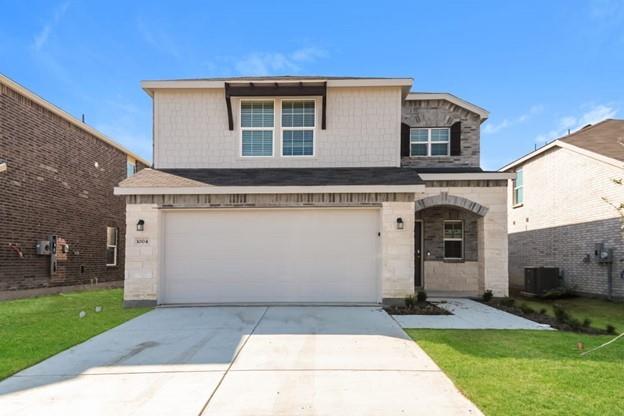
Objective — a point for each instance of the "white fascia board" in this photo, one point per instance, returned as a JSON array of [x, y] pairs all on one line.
[[203, 190], [68, 117], [529, 156], [423, 96], [3, 166], [466, 176], [150, 86], [563, 145]]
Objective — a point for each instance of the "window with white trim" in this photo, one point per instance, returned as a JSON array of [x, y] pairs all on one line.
[[518, 188], [298, 122], [111, 246], [430, 141], [130, 168], [257, 120], [454, 239]]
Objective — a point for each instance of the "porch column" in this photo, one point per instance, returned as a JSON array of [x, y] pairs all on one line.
[[493, 250], [397, 251]]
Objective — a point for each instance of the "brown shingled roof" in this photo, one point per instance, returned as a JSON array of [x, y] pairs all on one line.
[[605, 138]]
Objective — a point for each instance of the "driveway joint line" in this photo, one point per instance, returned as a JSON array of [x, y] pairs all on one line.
[[227, 370]]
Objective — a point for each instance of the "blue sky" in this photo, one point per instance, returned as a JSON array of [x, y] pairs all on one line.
[[539, 67]]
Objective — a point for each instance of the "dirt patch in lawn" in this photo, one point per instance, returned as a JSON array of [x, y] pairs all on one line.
[[420, 308]]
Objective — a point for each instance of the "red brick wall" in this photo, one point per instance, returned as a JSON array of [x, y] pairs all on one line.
[[52, 186]]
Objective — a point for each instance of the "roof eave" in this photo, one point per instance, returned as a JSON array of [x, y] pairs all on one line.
[[481, 112], [203, 190]]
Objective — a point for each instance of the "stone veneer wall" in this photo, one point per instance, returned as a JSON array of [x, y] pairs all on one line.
[[143, 248], [491, 269], [441, 113]]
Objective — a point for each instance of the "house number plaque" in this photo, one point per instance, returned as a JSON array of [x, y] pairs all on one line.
[[142, 241]]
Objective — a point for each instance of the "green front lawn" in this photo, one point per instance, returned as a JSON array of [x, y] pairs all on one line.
[[32, 330], [510, 372], [601, 312]]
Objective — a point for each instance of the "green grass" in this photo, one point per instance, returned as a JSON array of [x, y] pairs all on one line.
[[601, 312], [32, 330], [510, 372]]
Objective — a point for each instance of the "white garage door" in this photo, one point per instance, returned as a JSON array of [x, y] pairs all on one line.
[[271, 255]]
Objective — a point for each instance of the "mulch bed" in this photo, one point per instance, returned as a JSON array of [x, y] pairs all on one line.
[[544, 319], [420, 308]]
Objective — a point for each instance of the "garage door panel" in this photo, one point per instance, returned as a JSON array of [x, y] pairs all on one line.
[[298, 255]]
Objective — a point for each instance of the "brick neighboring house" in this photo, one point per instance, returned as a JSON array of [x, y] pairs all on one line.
[[312, 190], [558, 212], [56, 178]]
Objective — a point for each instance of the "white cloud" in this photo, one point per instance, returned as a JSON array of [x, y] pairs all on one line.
[[570, 123], [41, 38], [492, 128], [265, 63]]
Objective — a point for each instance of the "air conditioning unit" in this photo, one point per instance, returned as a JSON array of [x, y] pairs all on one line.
[[538, 280]]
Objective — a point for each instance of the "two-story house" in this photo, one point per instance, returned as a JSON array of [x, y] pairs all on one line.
[[60, 224], [312, 190], [565, 210]]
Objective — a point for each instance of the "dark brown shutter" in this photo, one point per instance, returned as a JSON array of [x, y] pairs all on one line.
[[456, 139], [405, 140]]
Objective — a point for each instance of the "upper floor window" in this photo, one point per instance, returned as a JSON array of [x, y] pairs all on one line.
[[298, 122], [257, 124], [130, 167], [518, 188], [429, 141]]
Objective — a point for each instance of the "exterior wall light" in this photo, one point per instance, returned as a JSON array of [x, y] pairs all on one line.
[[140, 225], [400, 223]]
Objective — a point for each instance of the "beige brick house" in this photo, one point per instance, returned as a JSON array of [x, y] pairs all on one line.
[[312, 190], [561, 208]]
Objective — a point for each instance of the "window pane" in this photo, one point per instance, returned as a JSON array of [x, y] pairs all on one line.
[[298, 143], [257, 114], [111, 236], [518, 195], [453, 249], [419, 150], [439, 149], [453, 229], [131, 169], [110, 255], [439, 135], [298, 114], [257, 143], [419, 135], [519, 178]]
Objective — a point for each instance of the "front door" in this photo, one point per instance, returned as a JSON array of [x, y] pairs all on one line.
[[418, 254]]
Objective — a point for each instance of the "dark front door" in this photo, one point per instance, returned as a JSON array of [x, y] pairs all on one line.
[[418, 254]]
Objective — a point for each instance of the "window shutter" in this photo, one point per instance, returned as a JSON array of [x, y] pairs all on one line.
[[405, 140], [456, 139]]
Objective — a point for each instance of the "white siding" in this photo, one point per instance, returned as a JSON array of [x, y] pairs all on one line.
[[363, 129]]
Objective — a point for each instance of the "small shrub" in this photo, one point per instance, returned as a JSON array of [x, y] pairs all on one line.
[[587, 322], [421, 296], [509, 302], [487, 295], [561, 315], [610, 329], [526, 309], [410, 301], [561, 292], [543, 311]]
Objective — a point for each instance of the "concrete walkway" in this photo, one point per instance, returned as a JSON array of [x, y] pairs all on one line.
[[467, 314], [240, 361]]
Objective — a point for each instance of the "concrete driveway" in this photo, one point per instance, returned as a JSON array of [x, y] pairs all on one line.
[[240, 361]]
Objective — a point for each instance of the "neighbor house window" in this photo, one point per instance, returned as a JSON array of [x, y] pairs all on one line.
[[298, 119], [130, 167], [111, 246], [257, 124], [453, 239], [429, 141], [518, 188]]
